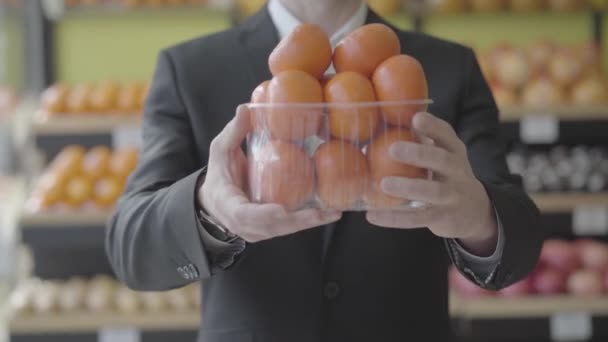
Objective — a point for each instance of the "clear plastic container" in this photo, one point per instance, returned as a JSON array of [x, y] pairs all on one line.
[[330, 155]]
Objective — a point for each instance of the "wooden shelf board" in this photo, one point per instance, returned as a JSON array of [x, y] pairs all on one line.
[[566, 202], [83, 124], [565, 113], [62, 220], [533, 306], [87, 322]]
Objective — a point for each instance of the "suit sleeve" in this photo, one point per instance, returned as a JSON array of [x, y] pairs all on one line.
[[479, 128], [153, 242]]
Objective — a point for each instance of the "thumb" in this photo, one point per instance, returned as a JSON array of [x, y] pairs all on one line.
[[236, 130]]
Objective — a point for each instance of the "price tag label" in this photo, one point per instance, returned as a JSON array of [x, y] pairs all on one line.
[[119, 335], [126, 136], [539, 129], [590, 220], [571, 326]]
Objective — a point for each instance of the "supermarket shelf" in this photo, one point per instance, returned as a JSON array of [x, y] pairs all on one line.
[[63, 220], [83, 124], [100, 11], [87, 322], [533, 306], [566, 113], [567, 202]]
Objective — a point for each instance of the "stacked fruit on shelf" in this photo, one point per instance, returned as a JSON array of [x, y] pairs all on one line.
[[78, 179], [578, 268], [135, 3], [98, 295], [108, 97], [519, 6], [576, 169], [545, 74]]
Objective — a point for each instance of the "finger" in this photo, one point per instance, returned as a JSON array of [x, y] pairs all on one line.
[[402, 220], [439, 130], [255, 214], [235, 131], [427, 191], [305, 219], [425, 156]]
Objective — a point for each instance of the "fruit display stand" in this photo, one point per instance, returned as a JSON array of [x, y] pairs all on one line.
[[99, 310], [540, 319]]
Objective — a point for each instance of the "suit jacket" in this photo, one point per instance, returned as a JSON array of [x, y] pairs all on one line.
[[374, 284]]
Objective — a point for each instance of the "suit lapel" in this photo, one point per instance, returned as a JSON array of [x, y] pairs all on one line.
[[259, 37]]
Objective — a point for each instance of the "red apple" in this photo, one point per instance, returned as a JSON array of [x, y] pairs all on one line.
[[549, 281], [585, 283], [594, 256], [561, 255]]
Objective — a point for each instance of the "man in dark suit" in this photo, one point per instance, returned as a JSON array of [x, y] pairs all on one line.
[[311, 275]]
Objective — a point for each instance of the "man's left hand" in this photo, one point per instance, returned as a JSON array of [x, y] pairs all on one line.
[[457, 205]]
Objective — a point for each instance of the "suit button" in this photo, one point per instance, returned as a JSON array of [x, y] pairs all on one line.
[[332, 290], [183, 273]]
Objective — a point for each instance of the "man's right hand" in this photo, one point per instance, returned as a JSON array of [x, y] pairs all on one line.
[[223, 197]]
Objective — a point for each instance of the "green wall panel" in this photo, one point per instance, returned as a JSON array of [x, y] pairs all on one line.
[[485, 30], [12, 50], [124, 45]]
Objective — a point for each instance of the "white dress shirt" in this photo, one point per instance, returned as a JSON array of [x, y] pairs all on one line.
[[481, 268]]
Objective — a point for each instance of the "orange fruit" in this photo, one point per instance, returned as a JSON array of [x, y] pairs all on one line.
[[351, 122], [96, 162], [342, 174], [400, 78], [77, 191], [306, 48], [282, 173], [289, 123], [259, 95], [104, 97], [78, 100], [54, 98], [383, 165], [123, 162], [50, 189], [69, 160], [128, 98], [365, 48], [107, 190]]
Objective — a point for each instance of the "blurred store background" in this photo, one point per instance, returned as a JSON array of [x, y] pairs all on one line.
[[74, 74]]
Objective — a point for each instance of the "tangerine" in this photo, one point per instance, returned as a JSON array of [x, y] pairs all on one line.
[[289, 123], [351, 123], [365, 48], [306, 48], [400, 78]]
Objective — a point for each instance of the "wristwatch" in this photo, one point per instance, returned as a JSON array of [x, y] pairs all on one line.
[[214, 228]]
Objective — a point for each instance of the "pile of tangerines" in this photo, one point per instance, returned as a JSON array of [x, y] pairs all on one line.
[[77, 178], [356, 113]]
